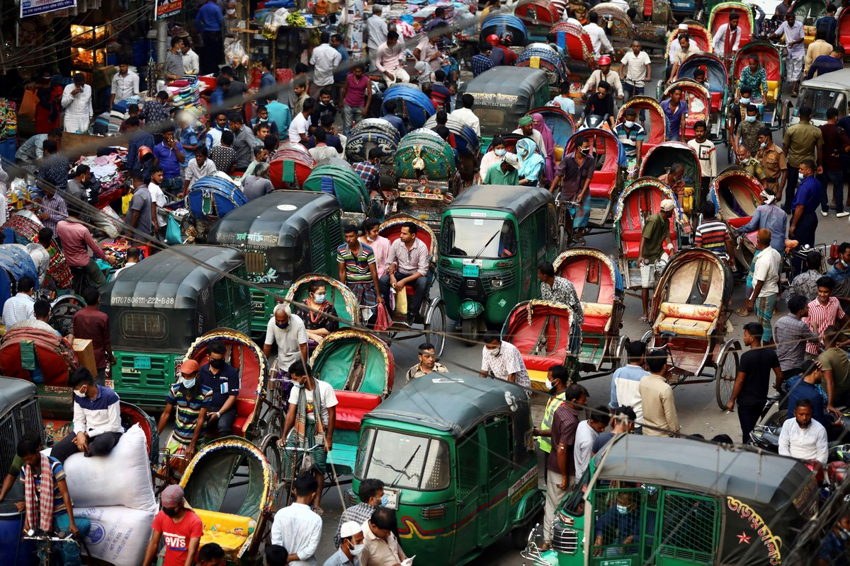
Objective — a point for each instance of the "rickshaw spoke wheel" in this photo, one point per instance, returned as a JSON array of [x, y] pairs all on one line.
[[623, 355], [270, 450], [435, 327], [469, 331], [724, 376]]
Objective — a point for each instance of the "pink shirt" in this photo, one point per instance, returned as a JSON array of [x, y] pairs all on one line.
[[355, 96], [381, 249], [821, 316], [75, 239]]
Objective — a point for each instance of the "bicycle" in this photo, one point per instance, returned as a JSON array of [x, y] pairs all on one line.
[[165, 475], [45, 543], [295, 463]]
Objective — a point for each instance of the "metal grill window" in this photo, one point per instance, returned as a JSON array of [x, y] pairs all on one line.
[[30, 417], [255, 262], [318, 242], [467, 458], [688, 530], [144, 326], [617, 534], [498, 448], [8, 441]]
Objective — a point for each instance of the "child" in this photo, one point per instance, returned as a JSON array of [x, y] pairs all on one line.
[[262, 118]]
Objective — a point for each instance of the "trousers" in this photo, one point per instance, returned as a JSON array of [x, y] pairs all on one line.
[[100, 445], [76, 123], [554, 496]]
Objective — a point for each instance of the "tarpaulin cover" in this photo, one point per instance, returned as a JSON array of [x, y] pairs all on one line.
[[412, 104], [438, 160], [348, 187], [213, 197], [15, 263], [500, 23]]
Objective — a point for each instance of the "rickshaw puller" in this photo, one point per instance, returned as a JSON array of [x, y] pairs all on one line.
[[794, 37], [654, 240]]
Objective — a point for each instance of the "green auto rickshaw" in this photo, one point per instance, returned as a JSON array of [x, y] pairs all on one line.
[[159, 307], [284, 235], [679, 502], [503, 95], [492, 239], [457, 462]]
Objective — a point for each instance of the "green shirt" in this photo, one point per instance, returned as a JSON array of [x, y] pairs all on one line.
[[800, 142], [495, 175], [657, 228], [835, 359]]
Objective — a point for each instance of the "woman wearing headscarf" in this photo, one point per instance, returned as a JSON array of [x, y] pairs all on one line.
[[532, 164], [548, 143], [495, 155]]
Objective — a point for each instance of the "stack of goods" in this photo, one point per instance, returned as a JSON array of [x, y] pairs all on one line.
[[105, 169], [117, 249], [185, 92], [26, 225]]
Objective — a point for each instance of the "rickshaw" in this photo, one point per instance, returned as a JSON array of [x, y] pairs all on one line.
[[457, 462], [576, 43], [689, 312], [342, 182], [503, 95], [719, 15], [433, 313], [538, 16], [654, 18], [620, 25], [15, 263], [699, 502], [283, 235], [822, 93], [542, 56], [492, 238], [340, 296], [210, 198], [773, 111], [159, 307], [361, 369], [22, 228], [599, 286], [698, 34], [842, 31], [541, 331], [413, 105], [697, 100], [428, 179], [808, 12], [500, 23], [466, 140], [658, 162], [608, 176], [735, 194], [654, 122], [717, 78], [637, 203], [369, 134], [236, 518], [290, 166], [560, 124]]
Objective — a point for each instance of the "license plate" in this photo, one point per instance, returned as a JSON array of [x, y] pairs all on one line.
[[393, 495], [470, 270], [141, 362]]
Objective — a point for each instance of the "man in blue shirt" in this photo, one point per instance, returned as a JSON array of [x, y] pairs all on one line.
[[619, 528], [267, 82], [398, 123], [280, 114], [342, 74], [828, 23], [169, 155], [482, 62], [808, 388], [804, 219], [138, 138], [223, 379], [824, 64], [209, 21]]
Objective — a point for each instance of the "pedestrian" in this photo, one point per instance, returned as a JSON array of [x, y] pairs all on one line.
[[749, 163], [243, 142], [388, 60], [370, 173], [289, 333], [298, 527], [97, 419], [174, 60], [828, 24], [52, 176], [563, 100], [806, 283], [769, 216], [636, 71], [808, 387], [322, 153], [371, 495], [257, 183], [802, 140], [350, 547], [407, 264], [753, 379], [324, 60], [482, 62], [356, 97], [747, 132], [125, 84], [466, 115], [276, 555], [90, 323], [656, 395], [356, 264], [133, 258], [794, 37], [768, 268], [586, 434], [156, 115], [827, 63], [561, 290], [836, 543], [625, 383], [48, 111], [557, 381], [792, 334], [622, 422], [299, 128], [192, 400], [20, 306], [803, 438], [428, 53], [381, 544], [427, 363], [199, 166], [675, 110], [572, 178], [836, 143], [191, 61], [840, 273], [816, 49], [169, 154], [211, 554], [502, 360], [31, 152], [772, 159], [138, 219], [223, 155], [713, 235], [656, 247], [77, 102], [209, 21], [825, 311], [376, 33], [804, 220], [53, 208], [836, 370]]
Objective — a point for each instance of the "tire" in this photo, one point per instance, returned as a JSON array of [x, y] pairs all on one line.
[[435, 326], [562, 238], [724, 375], [271, 451], [469, 332], [622, 358], [519, 536]]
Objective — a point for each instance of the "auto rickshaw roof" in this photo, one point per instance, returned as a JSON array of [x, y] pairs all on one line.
[[511, 81], [515, 200], [836, 80], [170, 280], [276, 219], [763, 478], [13, 391], [452, 403]]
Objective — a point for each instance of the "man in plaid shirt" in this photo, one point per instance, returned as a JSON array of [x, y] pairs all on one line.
[[482, 61], [823, 312], [369, 172], [371, 495]]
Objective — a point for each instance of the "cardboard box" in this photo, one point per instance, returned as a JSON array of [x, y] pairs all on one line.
[[85, 354], [333, 6]]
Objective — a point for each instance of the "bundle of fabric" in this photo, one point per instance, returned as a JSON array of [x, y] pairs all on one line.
[[15, 263], [30, 341], [105, 169], [26, 225], [185, 92]]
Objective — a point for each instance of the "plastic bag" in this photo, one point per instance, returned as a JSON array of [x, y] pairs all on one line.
[[172, 231], [401, 302], [28, 104], [382, 321], [236, 55]]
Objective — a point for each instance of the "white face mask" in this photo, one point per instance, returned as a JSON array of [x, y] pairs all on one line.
[[745, 100], [231, 12], [751, 119], [549, 385], [800, 176], [622, 509], [629, 123], [763, 145], [79, 393], [320, 298], [357, 549], [495, 352]]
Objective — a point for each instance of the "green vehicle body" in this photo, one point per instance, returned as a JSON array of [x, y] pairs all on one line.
[[476, 479], [506, 271], [690, 503], [284, 235], [159, 307], [503, 95]]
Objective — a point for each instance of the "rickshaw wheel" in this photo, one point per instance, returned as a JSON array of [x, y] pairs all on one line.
[[726, 372], [469, 332], [270, 450], [622, 356], [647, 337], [435, 326]]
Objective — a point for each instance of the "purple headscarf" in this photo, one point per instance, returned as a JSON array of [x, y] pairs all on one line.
[[548, 140]]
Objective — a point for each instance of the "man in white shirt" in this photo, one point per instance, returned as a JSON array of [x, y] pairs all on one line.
[[191, 61], [597, 36], [768, 267], [76, 100], [376, 32], [20, 307], [603, 73], [300, 124], [728, 38], [466, 115], [199, 166], [635, 70], [289, 333], [802, 437], [125, 84], [324, 60], [586, 433], [390, 58], [298, 528], [674, 47], [794, 38]]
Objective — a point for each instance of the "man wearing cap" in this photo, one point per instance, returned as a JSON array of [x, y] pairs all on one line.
[[687, 49], [350, 546], [652, 255], [76, 100], [603, 74], [180, 528], [794, 37], [504, 172], [673, 50], [728, 38], [526, 128], [192, 399]]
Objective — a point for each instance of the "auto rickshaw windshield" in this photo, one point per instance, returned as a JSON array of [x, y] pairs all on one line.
[[403, 460], [820, 101], [478, 237], [491, 120]]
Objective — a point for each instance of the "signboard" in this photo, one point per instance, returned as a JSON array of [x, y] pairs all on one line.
[[167, 8], [38, 7]]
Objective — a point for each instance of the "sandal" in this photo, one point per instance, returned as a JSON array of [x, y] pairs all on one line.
[[581, 241], [644, 319], [318, 511], [742, 312]]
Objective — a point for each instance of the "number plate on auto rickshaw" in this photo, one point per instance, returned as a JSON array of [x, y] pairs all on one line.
[[392, 498], [470, 270], [141, 362]]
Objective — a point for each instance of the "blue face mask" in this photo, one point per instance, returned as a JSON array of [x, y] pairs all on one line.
[[745, 100], [751, 119], [800, 176], [282, 325], [385, 500], [500, 152], [297, 385], [188, 383]]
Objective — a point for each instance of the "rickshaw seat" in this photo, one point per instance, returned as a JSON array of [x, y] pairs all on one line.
[[228, 531], [716, 101], [773, 88], [738, 222], [352, 406], [686, 319], [631, 248], [596, 317], [603, 183]]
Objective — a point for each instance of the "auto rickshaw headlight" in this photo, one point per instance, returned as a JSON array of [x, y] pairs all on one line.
[[497, 283], [435, 512]]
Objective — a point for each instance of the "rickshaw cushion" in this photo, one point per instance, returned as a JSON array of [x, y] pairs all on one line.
[[683, 326], [352, 407], [603, 183], [738, 222], [596, 317], [231, 544], [631, 248], [716, 101], [228, 531], [773, 87], [705, 313]]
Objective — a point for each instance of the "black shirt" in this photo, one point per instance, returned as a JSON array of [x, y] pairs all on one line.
[[599, 106], [756, 366], [223, 384]]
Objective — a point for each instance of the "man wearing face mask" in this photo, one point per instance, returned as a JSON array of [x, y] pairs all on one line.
[[287, 330], [773, 160], [573, 177], [372, 496], [350, 547], [620, 525], [804, 219], [749, 163], [97, 419], [747, 132], [180, 527], [223, 379], [192, 399], [835, 545], [503, 360]]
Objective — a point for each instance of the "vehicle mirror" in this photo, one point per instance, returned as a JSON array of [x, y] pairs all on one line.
[[511, 401]]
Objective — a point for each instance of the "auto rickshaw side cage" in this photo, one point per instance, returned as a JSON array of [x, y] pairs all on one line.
[[342, 296], [679, 260], [665, 155], [509, 90], [19, 413], [168, 300], [805, 9]]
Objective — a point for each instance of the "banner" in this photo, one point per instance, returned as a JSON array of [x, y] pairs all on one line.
[[167, 8], [38, 7]]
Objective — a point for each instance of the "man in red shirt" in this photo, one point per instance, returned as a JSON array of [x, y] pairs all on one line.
[[181, 528], [75, 238], [91, 324]]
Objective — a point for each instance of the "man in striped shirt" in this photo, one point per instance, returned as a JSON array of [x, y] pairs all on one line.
[[192, 399], [713, 235], [823, 312]]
